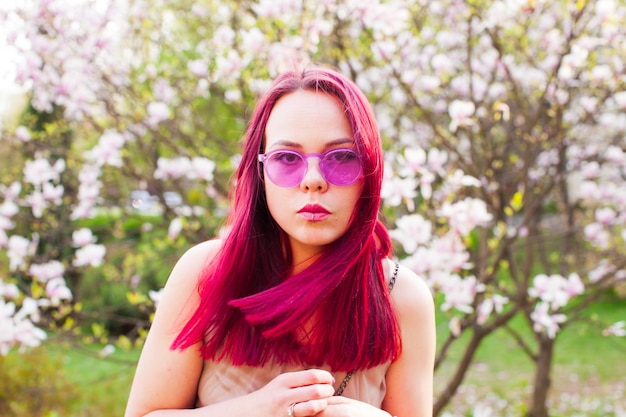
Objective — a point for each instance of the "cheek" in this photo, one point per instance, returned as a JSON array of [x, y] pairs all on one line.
[[275, 198]]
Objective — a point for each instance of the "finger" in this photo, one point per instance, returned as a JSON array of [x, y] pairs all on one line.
[[312, 392], [338, 399], [309, 408], [308, 377]]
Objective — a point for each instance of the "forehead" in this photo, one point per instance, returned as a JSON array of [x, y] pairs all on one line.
[[307, 118]]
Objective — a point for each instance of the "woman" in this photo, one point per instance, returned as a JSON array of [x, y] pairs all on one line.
[[300, 300]]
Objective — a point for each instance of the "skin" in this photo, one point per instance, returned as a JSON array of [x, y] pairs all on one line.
[[166, 381], [310, 122]]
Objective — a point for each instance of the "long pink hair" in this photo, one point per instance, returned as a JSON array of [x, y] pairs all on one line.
[[251, 308]]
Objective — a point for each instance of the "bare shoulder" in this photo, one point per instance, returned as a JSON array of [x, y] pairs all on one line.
[[192, 262], [410, 377], [167, 378], [180, 296], [411, 295]]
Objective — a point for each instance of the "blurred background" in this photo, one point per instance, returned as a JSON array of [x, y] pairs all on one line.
[[504, 128]]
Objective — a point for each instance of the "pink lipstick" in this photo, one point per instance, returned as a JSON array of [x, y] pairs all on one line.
[[313, 212]]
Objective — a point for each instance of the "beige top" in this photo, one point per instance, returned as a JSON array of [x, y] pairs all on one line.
[[221, 381]]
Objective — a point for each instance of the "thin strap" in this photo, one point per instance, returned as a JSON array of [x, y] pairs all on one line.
[[394, 276], [344, 383]]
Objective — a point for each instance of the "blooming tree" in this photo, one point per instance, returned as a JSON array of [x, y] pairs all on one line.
[[504, 125]]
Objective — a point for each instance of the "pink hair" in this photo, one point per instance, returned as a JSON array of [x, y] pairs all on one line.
[[249, 311]]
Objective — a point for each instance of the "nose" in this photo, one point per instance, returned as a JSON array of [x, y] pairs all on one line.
[[313, 179]]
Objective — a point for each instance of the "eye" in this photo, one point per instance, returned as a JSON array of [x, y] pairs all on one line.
[[286, 157], [342, 155]]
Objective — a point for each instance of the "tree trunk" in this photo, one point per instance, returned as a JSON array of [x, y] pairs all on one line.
[[459, 374], [539, 400]]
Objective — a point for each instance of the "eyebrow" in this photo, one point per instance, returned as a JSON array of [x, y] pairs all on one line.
[[296, 145]]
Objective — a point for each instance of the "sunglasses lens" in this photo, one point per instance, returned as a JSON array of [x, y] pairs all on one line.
[[285, 168], [288, 168], [341, 167]]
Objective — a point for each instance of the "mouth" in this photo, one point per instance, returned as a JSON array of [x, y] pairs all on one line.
[[313, 212]]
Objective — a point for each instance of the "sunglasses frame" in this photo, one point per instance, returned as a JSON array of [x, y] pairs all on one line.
[[305, 157]]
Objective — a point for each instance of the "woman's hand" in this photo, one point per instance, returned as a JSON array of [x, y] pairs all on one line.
[[340, 406], [309, 391]]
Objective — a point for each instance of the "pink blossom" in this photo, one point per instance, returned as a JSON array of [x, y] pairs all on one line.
[[436, 160], [590, 170], [37, 203], [460, 292], [90, 255], [556, 290], [46, 272], [27, 335], [589, 190], [57, 291], [163, 93], [574, 285], [173, 168], [278, 8], [17, 251], [455, 326], [22, 133], [620, 99], [155, 296], [8, 209], [465, 215], [176, 226], [8, 290], [461, 113], [229, 66], [415, 159], [451, 253], [39, 171], [233, 95], [29, 310], [411, 231], [615, 154], [82, 237], [108, 151], [496, 302], [107, 350], [52, 193], [603, 269], [616, 329], [202, 168], [396, 190], [543, 321], [596, 235], [198, 68], [12, 192], [442, 64], [606, 216], [157, 112], [83, 210]]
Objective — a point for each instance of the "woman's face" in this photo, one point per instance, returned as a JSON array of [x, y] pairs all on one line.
[[314, 212]]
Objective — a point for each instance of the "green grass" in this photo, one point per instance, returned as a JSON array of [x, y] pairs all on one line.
[[586, 365], [103, 383], [78, 382]]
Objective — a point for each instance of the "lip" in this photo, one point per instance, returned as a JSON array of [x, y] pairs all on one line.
[[313, 212]]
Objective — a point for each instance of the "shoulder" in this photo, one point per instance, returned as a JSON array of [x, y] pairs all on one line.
[[410, 294], [193, 261], [410, 377], [181, 287]]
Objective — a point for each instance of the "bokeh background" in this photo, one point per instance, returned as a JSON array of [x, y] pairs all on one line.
[[504, 128]]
